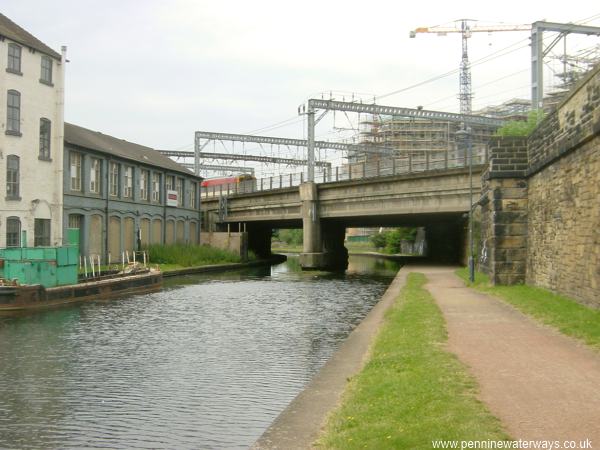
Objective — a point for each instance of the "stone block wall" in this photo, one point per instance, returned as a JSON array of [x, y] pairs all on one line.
[[508, 157], [564, 197], [541, 201], [236, 242], [575, 121], [564, 225], [504, 203]]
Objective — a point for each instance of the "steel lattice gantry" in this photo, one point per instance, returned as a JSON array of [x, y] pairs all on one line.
[[313, 104], [538, 52], [213, 136], [219, 168]]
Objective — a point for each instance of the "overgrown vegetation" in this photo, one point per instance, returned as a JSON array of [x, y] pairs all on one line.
[[519, 127], [189, 255], [411, 391], [391, 241], [563, 313], [292, 237]]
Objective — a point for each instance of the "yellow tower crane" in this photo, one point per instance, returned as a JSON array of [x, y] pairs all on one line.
[[464, 27]]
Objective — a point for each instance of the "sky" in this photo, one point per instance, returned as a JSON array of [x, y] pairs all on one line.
[[153, 72]]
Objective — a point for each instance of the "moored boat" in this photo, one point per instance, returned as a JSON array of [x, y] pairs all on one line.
[[16, 297]]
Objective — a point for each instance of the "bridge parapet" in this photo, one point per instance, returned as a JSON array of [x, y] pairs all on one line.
[[409, 163]]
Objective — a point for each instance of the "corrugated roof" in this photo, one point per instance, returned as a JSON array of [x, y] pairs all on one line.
[[94, 140], [15, 33]]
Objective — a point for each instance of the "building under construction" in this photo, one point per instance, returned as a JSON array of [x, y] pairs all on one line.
[[432, 142]]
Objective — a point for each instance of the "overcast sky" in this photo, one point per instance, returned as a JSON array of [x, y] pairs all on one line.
[[153, 72]]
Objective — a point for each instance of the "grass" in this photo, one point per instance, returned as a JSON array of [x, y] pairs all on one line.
[[188, 256], [560, 312], [177, 256], [411, 391]]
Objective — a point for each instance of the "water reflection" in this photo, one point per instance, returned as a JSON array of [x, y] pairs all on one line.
[[208, 362]]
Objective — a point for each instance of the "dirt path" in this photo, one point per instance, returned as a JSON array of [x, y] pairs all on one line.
[[539, 383]]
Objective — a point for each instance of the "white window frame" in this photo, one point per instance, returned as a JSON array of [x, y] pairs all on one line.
[[156, 187], [75, 164], [113, 176], [179, 188], [128, 182], [144, 180], [95, 175]]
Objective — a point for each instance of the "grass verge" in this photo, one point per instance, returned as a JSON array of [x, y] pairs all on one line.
[[560, 312], [411, 391], [189, 255]]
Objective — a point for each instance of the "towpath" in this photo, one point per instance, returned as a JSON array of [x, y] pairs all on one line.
[[540, 384]]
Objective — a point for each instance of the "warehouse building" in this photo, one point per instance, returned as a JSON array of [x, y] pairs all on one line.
[[122, 195]]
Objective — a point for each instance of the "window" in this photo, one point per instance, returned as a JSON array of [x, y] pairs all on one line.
[[13, 232], [144, 185], [156, 187], [75, 220], [75, 163], [170, 183], [13, 113], [45, 127], [192, 193], [113, 178], [46, 71], [14, 59], [12, 177], [179, 192], [95, 176], [128, 182], [41, 232]]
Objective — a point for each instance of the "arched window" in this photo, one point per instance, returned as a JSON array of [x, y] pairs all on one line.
[[14, 59], [45, 130], [13, 113], [12, 177], [46, 70], [13, 232]]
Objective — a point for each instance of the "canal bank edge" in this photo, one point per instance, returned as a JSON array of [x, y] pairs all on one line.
[[299, 425], [275, 259]]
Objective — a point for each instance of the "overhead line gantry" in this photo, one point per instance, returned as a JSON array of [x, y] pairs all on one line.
[[538, 52], [313, 105], [203, 138]]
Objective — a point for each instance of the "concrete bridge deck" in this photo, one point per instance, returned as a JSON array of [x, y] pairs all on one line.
[[435, 199], [364, 202]]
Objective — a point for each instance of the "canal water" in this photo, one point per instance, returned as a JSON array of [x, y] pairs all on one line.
[[209, 362]]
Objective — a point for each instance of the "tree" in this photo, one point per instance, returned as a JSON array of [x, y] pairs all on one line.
[[519, 127], [290, 237], [378, 240], [391, 240]]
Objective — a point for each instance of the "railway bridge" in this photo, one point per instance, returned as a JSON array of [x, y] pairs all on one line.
[[436, 199]]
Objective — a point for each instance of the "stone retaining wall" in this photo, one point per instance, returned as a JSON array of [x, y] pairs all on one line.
[[563, 252], [541, 201]]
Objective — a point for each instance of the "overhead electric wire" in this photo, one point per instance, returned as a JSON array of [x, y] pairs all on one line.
[[483, 60], [497, 54]]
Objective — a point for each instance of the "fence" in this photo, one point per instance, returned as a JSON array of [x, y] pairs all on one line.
[[412, 162]]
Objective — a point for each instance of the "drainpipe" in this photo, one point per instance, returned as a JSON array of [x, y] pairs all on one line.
[[163, 188], [104, 191], [60, 139], [199, 200]]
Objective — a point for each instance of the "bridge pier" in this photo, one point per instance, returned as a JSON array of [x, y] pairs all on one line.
[[312, 256], [323, 246]]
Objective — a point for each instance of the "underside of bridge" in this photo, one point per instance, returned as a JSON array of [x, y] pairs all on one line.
[[445, 234], [437, 201]]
